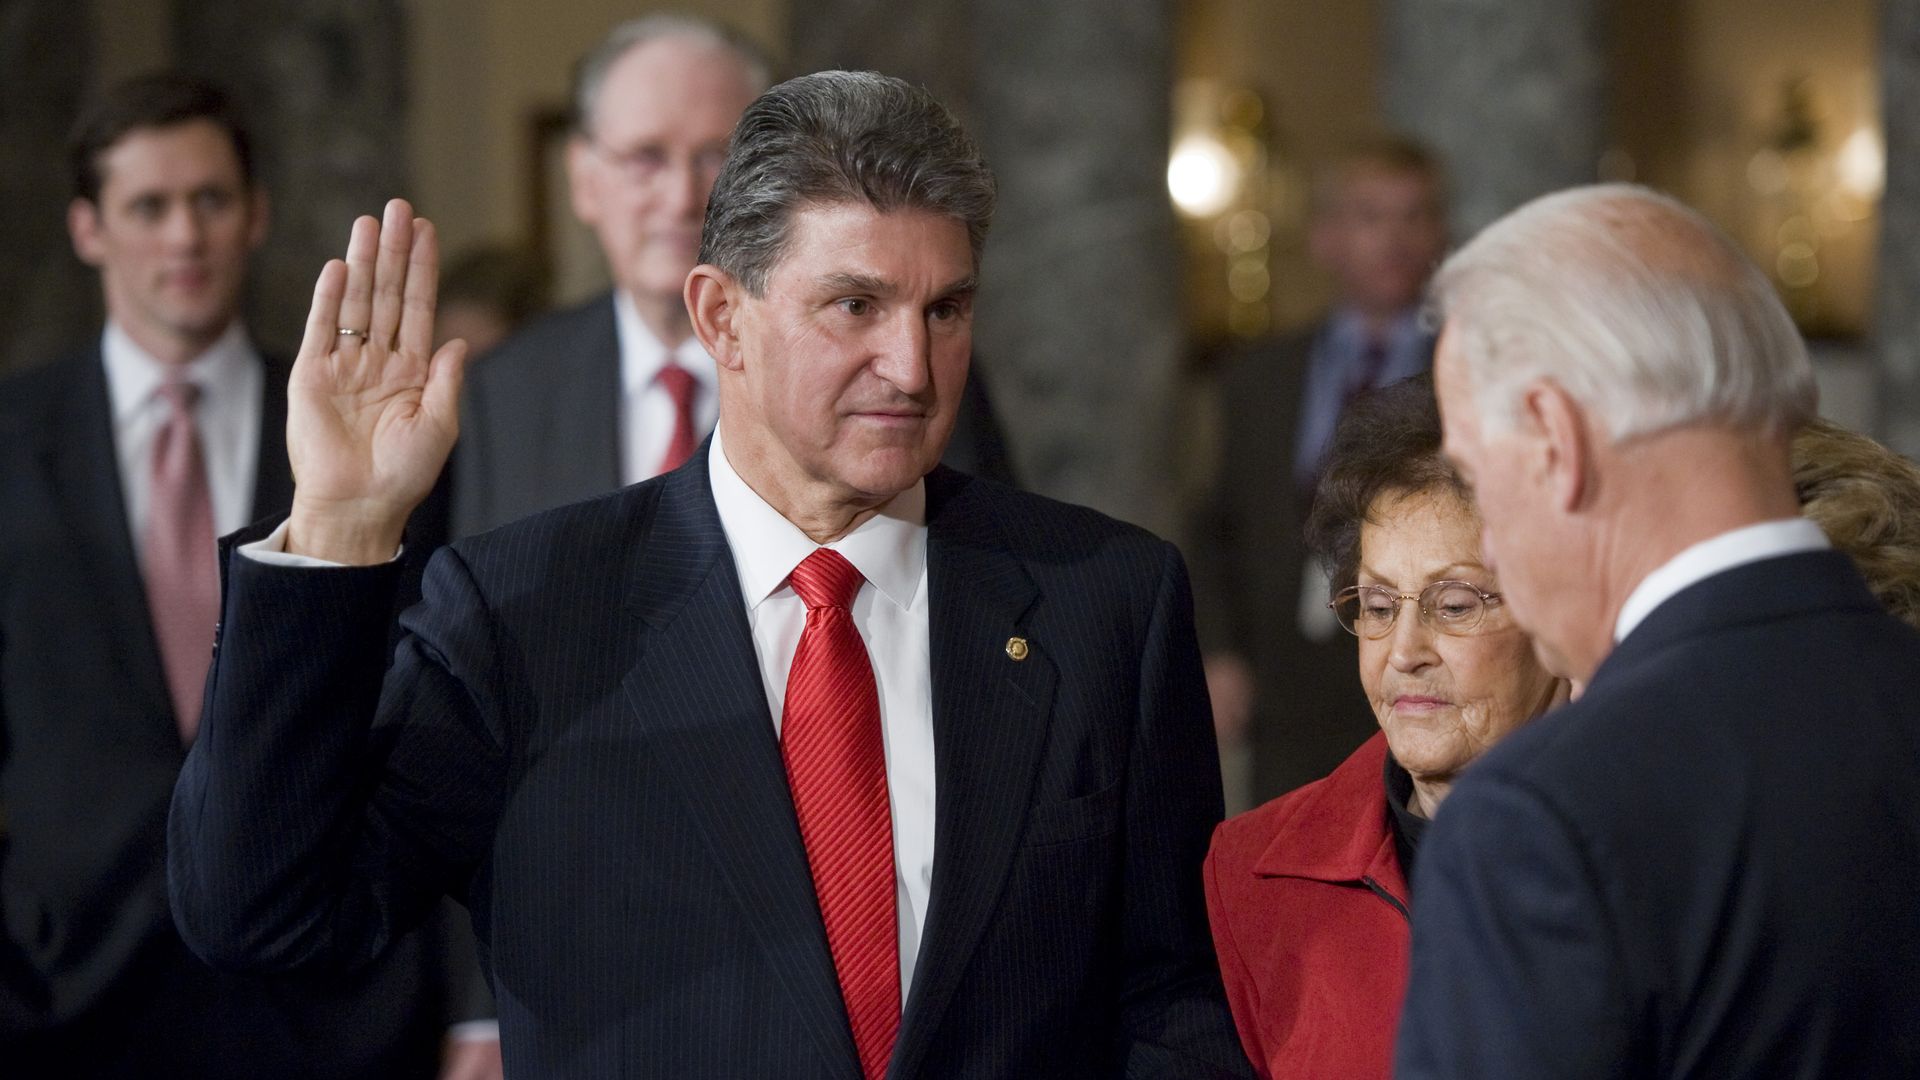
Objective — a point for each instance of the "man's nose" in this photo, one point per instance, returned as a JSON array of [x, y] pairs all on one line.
[[906, 352], [183, 226]]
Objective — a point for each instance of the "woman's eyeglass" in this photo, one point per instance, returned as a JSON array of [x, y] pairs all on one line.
[[1451, 607]]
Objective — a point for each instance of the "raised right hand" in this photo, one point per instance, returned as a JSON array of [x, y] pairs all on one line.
[[370, 420]]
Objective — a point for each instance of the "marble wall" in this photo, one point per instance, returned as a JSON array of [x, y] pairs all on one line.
[[324, 83], [1078, 330], [48, 300], [1511, 92], [1897, 315]]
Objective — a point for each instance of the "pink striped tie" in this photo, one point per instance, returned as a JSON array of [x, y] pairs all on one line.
[[177, 556], [837, 769]]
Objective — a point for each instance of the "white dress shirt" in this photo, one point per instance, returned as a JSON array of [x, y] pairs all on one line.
[[1712, 556], [230, 377], [646, 409], [890, 610]]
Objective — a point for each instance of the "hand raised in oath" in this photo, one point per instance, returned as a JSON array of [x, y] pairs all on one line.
[[372, 410]]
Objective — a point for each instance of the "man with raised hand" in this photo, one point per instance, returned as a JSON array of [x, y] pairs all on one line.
[[810, 759]]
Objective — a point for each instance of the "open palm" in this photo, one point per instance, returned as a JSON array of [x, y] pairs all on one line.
[[372, 410]]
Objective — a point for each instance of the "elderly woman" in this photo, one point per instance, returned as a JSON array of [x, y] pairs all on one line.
[[1308, 894]]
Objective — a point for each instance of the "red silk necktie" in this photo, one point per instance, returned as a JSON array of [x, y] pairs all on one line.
[[680, 385], [177, 553], [837, 770]]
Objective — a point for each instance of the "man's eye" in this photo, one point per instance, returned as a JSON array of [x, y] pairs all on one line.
[[148, 208], [945, 310], [854, 305], [213, 200]]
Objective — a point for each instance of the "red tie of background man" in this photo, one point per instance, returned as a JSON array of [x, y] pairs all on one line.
[[680, 386], [176, 547], [837, 768]]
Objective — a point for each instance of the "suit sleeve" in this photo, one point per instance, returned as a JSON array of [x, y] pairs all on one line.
[[1175, 1019], [329, 801], [1515, 954]]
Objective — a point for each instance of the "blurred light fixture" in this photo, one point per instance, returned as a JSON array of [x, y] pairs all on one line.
[[1203, 176], [1862, 164]]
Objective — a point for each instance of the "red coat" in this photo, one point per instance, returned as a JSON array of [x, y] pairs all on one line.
[[1309, 913]]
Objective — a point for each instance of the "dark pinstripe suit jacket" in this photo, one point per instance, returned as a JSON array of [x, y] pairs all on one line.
[[574, 738]]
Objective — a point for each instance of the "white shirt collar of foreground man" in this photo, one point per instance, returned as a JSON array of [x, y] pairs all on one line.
[[1767, 540]]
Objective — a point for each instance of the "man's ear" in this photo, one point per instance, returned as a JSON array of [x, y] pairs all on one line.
[[83, 227], [713, 303], [1564, 436]]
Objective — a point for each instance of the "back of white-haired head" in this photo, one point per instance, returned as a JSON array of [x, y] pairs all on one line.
[[1635, 305]]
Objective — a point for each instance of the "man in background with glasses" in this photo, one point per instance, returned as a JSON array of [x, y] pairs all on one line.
[[617, 390]]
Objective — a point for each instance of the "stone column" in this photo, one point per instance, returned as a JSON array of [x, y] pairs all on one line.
[[1511, 92], [48, 300], [1897, 314], [1079, 325], [324, 86]]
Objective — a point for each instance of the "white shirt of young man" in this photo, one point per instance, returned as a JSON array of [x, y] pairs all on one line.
[[647, 414], [227, 416]]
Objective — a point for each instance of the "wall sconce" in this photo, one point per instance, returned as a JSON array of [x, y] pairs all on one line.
[[1217, 177], [1813, 195]]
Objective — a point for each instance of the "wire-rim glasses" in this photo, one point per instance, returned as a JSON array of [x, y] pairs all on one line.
[[1451, 607]]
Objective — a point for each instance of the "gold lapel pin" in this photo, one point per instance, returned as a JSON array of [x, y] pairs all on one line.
[[1017, 648]]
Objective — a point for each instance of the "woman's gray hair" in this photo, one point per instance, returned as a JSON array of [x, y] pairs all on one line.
[[836, 138], [590, 73], [1635, 305]]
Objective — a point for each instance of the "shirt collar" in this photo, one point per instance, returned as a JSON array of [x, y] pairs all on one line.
[[134, 376], [642, 354], [889, 548], [1750, 543]]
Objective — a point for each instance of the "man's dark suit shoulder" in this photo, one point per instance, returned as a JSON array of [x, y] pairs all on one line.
[[1691, 847]]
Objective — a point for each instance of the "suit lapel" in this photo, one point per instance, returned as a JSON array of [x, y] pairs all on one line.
[[696, 690], [83, 472], [989, 729]]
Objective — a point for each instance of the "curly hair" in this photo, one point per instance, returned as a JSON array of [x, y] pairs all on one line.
[[1387, 443], [1866, 498]]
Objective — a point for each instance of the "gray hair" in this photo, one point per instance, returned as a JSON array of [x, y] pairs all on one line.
[[590, 73], [1635, 305], [833, 138]]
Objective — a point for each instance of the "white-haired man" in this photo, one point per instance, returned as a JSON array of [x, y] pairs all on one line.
[[1707, 865]]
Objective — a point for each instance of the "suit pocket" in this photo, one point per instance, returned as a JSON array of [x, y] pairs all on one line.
[[1080, 818]]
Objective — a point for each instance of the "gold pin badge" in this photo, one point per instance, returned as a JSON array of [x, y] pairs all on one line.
[[1017, 648]]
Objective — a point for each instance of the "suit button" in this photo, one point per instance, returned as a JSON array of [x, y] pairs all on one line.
[[1017, 648]]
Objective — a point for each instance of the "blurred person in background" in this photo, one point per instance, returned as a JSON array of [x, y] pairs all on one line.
[[1280, 673], [1308, 895], [119, 465], [1866, 498], [618, 389]]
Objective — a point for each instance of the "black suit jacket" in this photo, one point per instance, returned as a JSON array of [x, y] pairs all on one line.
[[1250, 563], [574, 737], [1707, 866], [541, 415], [89, 750]]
